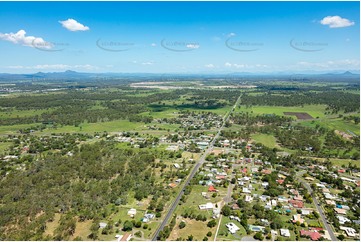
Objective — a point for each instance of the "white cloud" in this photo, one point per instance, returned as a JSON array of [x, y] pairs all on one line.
[[73, 25], [336, 22], [56, 67], [192, 46], [148, 63], [347, 64], [153, 44], [245, 66], [21, 39], [209, 66], [231, 35]]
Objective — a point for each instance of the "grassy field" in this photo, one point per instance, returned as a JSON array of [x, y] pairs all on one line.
[[313, 110], [6, 114], [11, 129], [223, 233], [111, 126], [266, 139], [195, 198], [336, 124], [4, 146], [198, 229]]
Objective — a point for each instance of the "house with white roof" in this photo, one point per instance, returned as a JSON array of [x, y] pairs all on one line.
[[285, 232], [232, 228]]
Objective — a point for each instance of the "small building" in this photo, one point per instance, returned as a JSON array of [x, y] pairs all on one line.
[[206, 206], [132, 212], [298, 218], [285, 233], [212, 189], [232, 228], [246, 190], [248, 198], [172, 185], [102, 225]]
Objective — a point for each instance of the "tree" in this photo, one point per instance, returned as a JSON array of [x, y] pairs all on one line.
[[138, 224], [128, 226], [226, 210], [341, 237], [205, 238], [182, 225], [212, 223], [209, 234], [258, 236]]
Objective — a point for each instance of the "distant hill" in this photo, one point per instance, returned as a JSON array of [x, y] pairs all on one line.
[[71, 75]]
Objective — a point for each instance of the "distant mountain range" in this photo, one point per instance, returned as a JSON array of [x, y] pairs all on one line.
[[73, 75]]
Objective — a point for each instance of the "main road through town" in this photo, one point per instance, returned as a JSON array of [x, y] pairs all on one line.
[[318, 206], [193, 172]]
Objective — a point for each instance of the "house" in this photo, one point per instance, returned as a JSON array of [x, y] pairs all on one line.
[[265, 184], [232, 228], [340, 211], [285, 232], [306, 211], [298, 198], [216, 213], [235, 206], [266, 171], [176, 165], [280, 181], [246, 190], [330, 202], [298, 218], [220, 177], [350, 232], [125, 237], [248, 198], [102, 225], [132, 212], [313, 235], [212, 189], [206, 206], [264, 222], [244, 170], [296, 204], [282, 199], [342, 219], [328, 196], [172, 185]]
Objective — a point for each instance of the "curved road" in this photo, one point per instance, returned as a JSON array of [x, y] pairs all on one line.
[[193, 172]]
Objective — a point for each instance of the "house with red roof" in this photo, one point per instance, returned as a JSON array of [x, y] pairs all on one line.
[[313, 235], [212, 189], [296, 204], [280, 181]]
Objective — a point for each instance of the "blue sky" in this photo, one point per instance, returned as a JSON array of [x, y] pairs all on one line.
[[179, 37]]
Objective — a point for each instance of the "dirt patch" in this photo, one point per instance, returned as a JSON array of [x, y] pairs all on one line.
[[343, 134], [299, 115]]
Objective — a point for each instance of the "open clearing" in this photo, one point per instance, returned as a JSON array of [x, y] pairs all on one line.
[[313, 110]]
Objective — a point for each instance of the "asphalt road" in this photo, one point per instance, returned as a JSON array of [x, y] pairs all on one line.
[[193, 172], [320, 210]]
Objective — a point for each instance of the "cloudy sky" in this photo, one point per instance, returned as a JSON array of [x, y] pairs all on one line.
[[179, 37]]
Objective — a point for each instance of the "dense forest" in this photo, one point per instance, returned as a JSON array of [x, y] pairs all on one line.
[[78, 187]]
